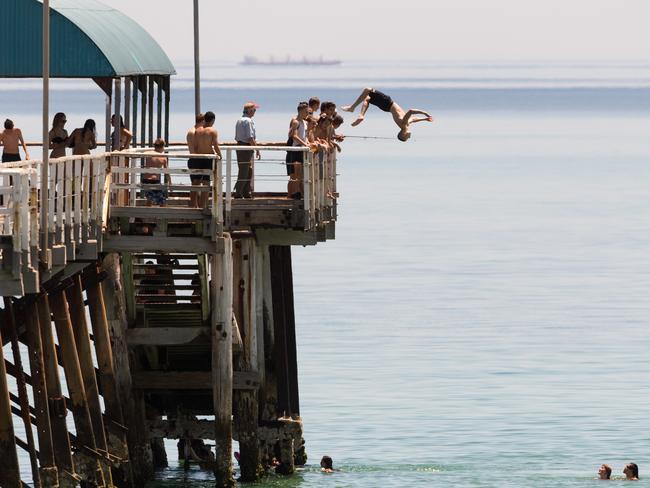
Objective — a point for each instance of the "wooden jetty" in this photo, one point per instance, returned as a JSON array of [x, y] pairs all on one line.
[[140, 323]]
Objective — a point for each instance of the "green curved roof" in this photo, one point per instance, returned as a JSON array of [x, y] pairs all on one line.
[[87, 39]]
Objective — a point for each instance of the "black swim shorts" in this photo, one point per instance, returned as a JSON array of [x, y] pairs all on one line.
[[10, 158], [199, 163], [380, 100]]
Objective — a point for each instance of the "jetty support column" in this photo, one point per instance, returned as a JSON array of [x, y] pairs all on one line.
[[132, 401], [9, 469], [221, 293], [286, 364], [246, 406], [88, 466], [57, 406]]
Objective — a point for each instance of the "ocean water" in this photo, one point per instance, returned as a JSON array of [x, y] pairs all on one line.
[[482, 317]]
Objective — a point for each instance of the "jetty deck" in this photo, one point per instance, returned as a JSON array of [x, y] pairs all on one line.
[[157, 315]]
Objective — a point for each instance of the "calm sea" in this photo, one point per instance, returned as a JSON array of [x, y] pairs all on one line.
[[482, 317]]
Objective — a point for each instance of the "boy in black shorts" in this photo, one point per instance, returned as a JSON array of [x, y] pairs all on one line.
[[370, 96]]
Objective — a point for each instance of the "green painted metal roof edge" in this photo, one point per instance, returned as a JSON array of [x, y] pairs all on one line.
[[129, 49]]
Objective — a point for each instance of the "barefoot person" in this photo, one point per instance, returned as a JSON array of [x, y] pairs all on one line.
[[12, 138], [604, 472], [370, 96], [204, 141], [58, 136], [295, 159]]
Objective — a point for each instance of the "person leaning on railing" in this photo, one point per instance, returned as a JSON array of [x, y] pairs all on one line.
[[295, 159]]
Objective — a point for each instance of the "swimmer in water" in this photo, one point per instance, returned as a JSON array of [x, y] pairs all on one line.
[[604, 472], [327, 465], [631, 472]]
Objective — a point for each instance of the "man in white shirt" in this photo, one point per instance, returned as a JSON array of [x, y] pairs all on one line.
[[245, 136]]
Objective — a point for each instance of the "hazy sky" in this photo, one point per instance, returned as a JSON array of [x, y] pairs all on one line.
[[407, 29]]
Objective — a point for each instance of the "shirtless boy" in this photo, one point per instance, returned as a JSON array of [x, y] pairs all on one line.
[[11, 138], [203, 141], [156, 197], [403, 119]]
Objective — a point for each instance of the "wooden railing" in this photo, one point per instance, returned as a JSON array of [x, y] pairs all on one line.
[[83, 188], [269, 179]]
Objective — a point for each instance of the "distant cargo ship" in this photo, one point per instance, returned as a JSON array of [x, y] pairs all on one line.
[[253, 61]]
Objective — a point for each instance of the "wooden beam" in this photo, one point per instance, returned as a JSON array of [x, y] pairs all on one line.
[[167, 213], [9, 469], [190, 380], [166, 336], [197, 245], [286, 237]]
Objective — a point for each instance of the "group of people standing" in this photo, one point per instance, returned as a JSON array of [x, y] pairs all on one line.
[[82, 140]]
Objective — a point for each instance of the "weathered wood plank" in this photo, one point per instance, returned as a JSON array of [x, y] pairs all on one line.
[[190, 380], [162, 244], [167, 213], [166, 336]]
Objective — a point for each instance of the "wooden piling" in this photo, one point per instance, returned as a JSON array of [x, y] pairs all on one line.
[[10, 321], [117, 441], [131, 400], [222, 371], [48, 472], [57, 405], [77, 311], [9, 468], [246, 407], [87, 466]]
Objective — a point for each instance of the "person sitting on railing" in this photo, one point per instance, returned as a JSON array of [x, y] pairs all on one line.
[[370, 96], [295, 159], [204, 141], [124, 141], [82, 140], [58, 136], [245, 136], [156, 196], [12, 138]]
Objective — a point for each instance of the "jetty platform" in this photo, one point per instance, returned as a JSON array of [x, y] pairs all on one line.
[[123, 323]]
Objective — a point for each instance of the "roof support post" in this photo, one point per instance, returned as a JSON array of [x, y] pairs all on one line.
[[117, 136], [159, 101], [197, 61], [134, 125], [150, 102], [46, 137], [127, 99], [167, 97], [142, 81]]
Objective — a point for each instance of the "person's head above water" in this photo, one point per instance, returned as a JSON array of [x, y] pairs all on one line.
[[404, 135], [604, 472], [631, 471], [327, 464]]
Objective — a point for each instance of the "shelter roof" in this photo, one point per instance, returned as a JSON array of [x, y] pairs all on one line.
[[87, 39]]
